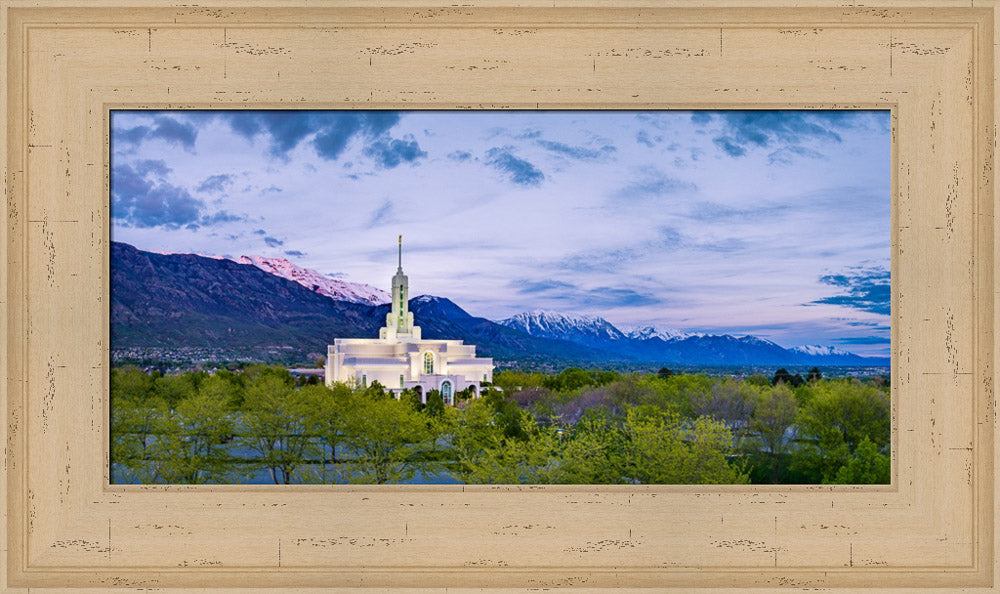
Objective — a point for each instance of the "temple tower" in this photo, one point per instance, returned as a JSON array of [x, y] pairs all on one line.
[[399, 320]]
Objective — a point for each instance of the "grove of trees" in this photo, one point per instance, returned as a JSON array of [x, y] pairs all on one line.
[[579, 426]]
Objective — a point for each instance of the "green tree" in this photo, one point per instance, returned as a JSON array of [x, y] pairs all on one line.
[[634, 390], [757, 379], [324, 418], [867, 467], [435, 403], [387, 438], [773, 416], [473, 431], [571, 378], [174, 388], [190, 447], [784, 377], [593, 450], [838, 417], [731, 402], [135, 423], [510, 380], [130, 382], [852, 409], [376, 390], [275, 422], [665, 449], [683, 390], [489, 456], [507, 416]]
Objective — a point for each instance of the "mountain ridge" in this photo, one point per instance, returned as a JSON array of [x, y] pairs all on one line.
[[319, 283], [175, 301]]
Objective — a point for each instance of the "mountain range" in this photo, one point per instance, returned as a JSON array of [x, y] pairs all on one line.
[[271, 309]]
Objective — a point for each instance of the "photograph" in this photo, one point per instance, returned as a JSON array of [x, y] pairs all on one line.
[[500, 297]]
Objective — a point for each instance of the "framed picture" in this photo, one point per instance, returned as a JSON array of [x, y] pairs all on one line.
[[70, 66], [547, 249]]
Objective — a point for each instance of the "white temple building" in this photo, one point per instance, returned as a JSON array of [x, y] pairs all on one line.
[[399, 358]]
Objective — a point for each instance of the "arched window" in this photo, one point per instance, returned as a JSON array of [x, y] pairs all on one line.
[[446, 392], [428, 363]]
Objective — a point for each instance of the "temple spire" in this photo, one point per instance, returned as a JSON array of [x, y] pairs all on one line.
[[399, 320]]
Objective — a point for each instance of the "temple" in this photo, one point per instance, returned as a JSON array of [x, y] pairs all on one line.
[[400, 359]]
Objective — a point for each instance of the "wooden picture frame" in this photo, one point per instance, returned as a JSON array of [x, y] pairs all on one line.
[[932, 63]]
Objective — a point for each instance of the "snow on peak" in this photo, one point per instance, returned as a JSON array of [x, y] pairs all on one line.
[[751, 339], [664, 334], [552, 324], [318, 283], [815, 349]]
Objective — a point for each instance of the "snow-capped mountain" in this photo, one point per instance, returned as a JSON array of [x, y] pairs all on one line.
[[269, 307], [581, 329], [818, 350], [664, 334], [757, 341], [318, 283], [826, 355], [648, 343]]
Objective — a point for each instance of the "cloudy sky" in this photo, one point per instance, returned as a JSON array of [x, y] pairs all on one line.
[[749, 222]]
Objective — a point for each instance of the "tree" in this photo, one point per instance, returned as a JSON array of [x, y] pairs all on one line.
[[571, 378], [682, 390], [664, 373], [466, 394], [573, 409], [850, 408], [832, 424], [510, 380], [473, 432], [275, 419], [488, 455], [773, 416], [635, 390], [593, 451], [135, 423], [130, 382], [867, 467], [507, 416], [174, 388], [191, 445], [508, 461], [814, 375], [758, 379], [386, 438], [663, 449], [730, 402], [376, 390], [435, 403], [782, 376], [325, 419]]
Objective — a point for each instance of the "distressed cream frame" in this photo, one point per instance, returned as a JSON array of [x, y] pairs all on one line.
[[932, 63]]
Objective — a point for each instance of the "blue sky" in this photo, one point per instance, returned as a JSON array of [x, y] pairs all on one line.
[[768, 223]]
